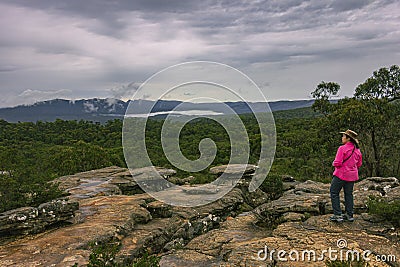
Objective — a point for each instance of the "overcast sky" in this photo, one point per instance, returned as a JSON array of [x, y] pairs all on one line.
[[82, 49]]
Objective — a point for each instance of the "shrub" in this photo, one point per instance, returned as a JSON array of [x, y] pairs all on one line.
[[388, 210], [273, 186], [103, 254], [147, 261], [20, 190]]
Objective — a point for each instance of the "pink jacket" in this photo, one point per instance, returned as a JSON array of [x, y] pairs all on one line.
[[348, 170]]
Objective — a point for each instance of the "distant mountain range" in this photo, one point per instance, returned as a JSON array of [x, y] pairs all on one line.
[[105, 109]]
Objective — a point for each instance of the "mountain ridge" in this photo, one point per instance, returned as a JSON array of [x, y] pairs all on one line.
[[103, 109]]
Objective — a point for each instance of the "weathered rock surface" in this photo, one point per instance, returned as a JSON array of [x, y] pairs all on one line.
[[217, 247], [104, 182], [302, 224], [138, 222], [183, 225], [121, 217], [210, 235], [382, 185], [238, 242], [29, 220], [234, 169], [102, 217], [393, 194], [253, 199], [314, 197], [180, 181]]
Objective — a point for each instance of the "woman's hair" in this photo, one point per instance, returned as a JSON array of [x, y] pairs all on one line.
[[354, 142]]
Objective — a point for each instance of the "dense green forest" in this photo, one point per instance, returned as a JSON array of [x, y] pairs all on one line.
[[31, 154]]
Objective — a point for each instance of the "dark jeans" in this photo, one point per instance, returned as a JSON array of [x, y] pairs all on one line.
[[336, 186]]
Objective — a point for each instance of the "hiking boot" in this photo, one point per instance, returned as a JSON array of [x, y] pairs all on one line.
[[348, 218], [336, 218]]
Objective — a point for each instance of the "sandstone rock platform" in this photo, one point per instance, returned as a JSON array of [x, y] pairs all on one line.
[[112, 207]]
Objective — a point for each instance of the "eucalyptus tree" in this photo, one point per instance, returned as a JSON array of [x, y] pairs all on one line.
[[373, 112]]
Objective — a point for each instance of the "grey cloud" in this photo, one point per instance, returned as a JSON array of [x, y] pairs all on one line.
[[112, 42], [108, 11], [206, 17], [58, 49], [89, 107], [364, 34], [345, 5], [31, 96], [125, 91], [39, 93], [198, 13], [7, 68], [146, 96], [262, 15]]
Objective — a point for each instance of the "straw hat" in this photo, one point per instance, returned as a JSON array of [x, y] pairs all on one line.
[[352, 134]]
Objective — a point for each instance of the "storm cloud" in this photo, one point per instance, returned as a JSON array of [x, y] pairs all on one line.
[[102, 48]]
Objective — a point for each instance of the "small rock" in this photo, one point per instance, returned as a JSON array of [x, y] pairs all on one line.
[[181, 181], [288, 178], [383, 185], [165, 172], [292, 217], [312, 187], [176, 243], [210, 189], [159, 209], [233, 169], [371, 218], [141, 215], [393, 194]]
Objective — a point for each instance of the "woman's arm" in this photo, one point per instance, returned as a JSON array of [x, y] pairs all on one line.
[[359, 162], [339, 157]]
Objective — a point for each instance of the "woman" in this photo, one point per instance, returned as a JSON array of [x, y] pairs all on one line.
[[347, 162]]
